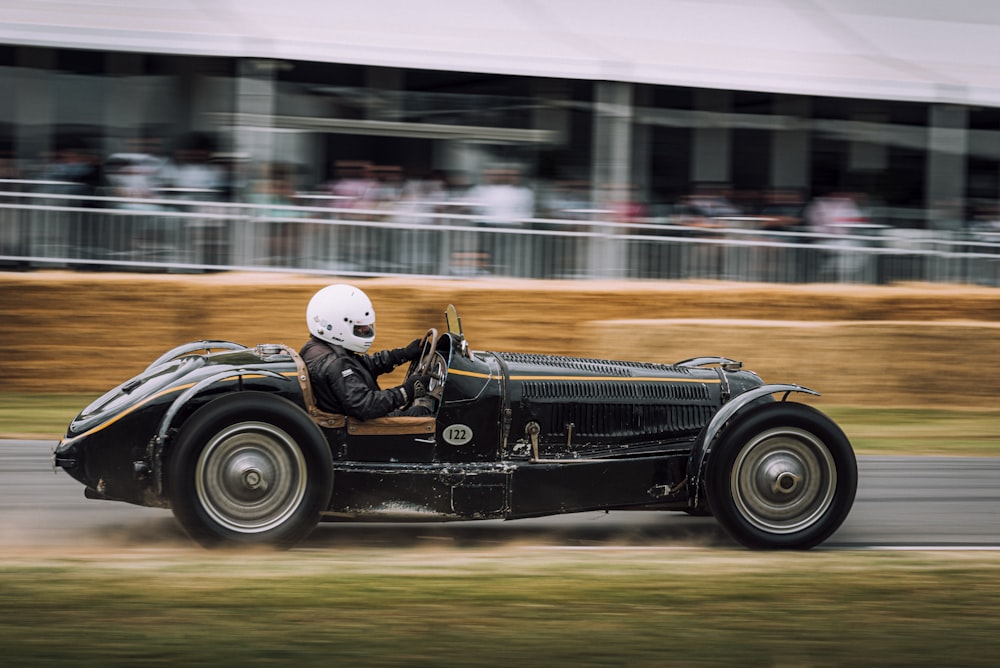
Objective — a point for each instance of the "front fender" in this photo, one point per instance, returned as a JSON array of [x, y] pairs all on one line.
[[706, 439]]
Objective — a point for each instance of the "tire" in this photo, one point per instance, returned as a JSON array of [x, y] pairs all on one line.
[[249, 468], [781, 477]]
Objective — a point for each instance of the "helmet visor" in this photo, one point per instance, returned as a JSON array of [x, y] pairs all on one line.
[[364, 331]]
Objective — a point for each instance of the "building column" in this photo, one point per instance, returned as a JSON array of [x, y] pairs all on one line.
[[611, 168], [711, 154], [642, 140], [125, 105], [790, 144], [255, 98], [947, 149], [34, 104]]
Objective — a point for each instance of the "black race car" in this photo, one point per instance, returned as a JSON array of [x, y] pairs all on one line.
[[230, 438]]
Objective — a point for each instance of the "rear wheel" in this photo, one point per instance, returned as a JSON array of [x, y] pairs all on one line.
[[785, 476], [249, 468]]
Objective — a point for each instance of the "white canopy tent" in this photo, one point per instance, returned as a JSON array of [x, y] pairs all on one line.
[[919, 50]]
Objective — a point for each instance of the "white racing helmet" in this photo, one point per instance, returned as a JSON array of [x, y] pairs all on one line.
[[343, 315]]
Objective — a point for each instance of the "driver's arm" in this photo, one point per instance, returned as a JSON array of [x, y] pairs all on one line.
[[387, 360]]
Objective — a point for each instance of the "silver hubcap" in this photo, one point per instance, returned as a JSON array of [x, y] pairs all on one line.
[[251, 477], [783, 480]]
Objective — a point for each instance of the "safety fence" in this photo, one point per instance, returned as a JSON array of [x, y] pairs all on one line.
[[449, 239]]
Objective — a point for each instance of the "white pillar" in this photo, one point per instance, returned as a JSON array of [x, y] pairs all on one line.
[[611, 168]]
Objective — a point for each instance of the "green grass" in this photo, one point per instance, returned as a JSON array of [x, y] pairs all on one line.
[[911, 431], [39, 415], [517, 607], [871, 430]]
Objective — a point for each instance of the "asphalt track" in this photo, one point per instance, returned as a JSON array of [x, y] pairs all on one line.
[[902, 503]]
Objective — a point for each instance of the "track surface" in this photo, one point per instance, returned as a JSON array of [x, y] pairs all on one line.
[[902, 502]]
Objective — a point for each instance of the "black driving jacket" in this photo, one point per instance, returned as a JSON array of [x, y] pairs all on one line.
[[344, 381]]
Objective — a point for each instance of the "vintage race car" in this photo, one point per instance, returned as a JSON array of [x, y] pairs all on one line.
[[231, 439]]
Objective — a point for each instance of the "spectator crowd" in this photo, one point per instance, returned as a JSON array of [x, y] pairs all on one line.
[[501, 199]]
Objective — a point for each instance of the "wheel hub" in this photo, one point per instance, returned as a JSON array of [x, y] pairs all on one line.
[[253, 479], [783, 480], [247, 475], [780, 476]]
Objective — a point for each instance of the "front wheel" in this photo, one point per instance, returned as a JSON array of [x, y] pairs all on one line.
[[784, 477], [249, 467]]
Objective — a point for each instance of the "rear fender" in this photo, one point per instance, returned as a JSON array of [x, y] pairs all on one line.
[[154, 451], [729, 411]]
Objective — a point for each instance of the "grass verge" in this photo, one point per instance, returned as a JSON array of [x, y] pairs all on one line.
[[872, 430], [518, 606]]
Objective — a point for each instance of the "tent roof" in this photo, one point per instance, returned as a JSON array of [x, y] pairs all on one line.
[[883, 49]]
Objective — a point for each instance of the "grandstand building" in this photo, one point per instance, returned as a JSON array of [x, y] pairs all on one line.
[[899, 101]]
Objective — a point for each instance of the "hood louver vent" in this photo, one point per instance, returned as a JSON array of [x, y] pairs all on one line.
[[622, 420], [585, 365], [612, 392]]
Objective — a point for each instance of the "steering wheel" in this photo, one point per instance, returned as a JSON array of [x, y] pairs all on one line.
[[430, 363], [428, 346]]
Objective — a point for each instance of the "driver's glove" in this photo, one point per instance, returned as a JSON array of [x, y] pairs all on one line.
[[415, 387], [412, 351]]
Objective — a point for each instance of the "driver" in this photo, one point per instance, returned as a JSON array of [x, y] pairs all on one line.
[[341, 322]]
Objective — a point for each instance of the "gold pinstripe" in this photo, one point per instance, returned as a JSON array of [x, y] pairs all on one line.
[[647, 379], [175, 388]]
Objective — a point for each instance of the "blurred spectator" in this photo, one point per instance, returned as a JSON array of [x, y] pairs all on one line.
[[838, 218], [351, 184], [986, 219], [506, 203], [710, 201], [133, 176], [388, 186], [73, 170], [701, 211], [191, 174], [503, 199], [564, 256], [566, 199], [783, 210], [276, 192], [624, 204], [12, 232], [418, 201], [76, 171], [835, 214]]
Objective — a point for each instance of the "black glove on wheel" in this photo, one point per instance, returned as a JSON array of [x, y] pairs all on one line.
[[415, 387], [412, 351]]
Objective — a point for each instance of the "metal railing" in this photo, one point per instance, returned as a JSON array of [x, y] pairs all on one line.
[[187, 235]]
